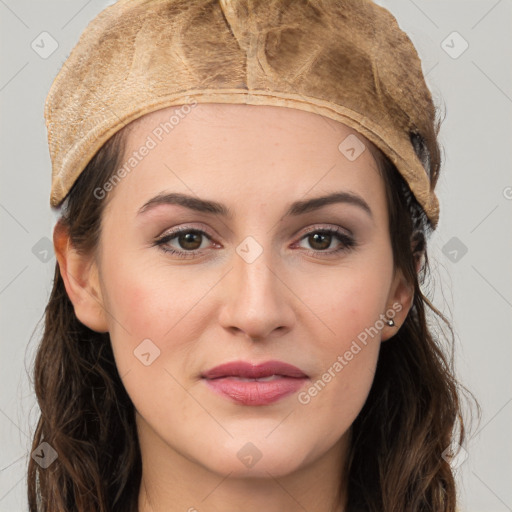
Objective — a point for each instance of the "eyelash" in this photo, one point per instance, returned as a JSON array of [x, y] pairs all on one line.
[[347, 242]]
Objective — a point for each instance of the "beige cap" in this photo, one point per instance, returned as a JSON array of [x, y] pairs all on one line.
[[346, 60]]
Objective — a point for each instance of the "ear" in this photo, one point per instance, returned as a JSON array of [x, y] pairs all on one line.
[[399, 303], [80, 275], [419, 260]]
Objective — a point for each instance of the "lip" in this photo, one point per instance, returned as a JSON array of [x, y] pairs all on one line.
[[254, 371], [226, 380]]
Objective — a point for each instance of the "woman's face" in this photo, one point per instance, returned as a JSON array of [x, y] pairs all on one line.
[[257, 277]]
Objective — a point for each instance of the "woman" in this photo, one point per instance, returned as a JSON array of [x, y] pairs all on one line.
[[236, 321]]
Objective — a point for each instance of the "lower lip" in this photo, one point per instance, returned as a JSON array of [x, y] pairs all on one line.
[[255, 392]]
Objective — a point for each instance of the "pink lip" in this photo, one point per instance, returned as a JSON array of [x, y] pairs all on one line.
[[225, 380]]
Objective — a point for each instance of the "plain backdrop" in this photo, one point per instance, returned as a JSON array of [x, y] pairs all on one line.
[[466, 51]]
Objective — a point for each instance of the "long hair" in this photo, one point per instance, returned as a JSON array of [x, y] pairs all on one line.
[[412, 414], [86, 415]]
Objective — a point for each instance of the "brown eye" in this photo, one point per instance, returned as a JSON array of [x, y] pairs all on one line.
[[190, 240], [320, 241], [186, 242]]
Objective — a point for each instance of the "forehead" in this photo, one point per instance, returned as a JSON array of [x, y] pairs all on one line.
[[224, 150], [253, 120]]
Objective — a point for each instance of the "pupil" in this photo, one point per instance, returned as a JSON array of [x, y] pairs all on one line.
[[324, 236], [188, 238]]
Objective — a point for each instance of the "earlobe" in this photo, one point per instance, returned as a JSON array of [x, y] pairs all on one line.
[[399, 304], [80, 275]]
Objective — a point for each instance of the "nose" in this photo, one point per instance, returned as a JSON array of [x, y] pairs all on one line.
[[258, 302]]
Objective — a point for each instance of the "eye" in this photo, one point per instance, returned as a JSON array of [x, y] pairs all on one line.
[[190, 240], [320, 240]]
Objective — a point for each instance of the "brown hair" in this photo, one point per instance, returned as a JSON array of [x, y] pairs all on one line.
[[412, 414]]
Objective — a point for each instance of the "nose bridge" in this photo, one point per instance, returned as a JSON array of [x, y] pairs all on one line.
[[255, 278], [256, 301]]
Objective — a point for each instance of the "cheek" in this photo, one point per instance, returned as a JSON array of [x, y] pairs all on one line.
[[150, 332], [148, 302], [348, 303], [347, 339]]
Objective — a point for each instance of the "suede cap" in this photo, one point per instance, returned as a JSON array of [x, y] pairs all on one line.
[[347, 60]]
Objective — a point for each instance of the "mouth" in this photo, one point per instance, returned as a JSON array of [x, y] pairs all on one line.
[[261, 379], [250, 384], [245, 370]]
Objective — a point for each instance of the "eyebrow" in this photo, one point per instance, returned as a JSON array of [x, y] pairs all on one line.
[[213, 207]]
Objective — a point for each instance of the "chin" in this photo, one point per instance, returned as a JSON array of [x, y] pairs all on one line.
[[261, 458]]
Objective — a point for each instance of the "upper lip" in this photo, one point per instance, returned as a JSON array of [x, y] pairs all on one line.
[[253, 371]]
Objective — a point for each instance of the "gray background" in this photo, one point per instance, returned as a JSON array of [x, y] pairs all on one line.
[[474, 88]]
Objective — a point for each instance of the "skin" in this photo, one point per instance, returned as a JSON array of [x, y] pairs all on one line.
[[294, 303]]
